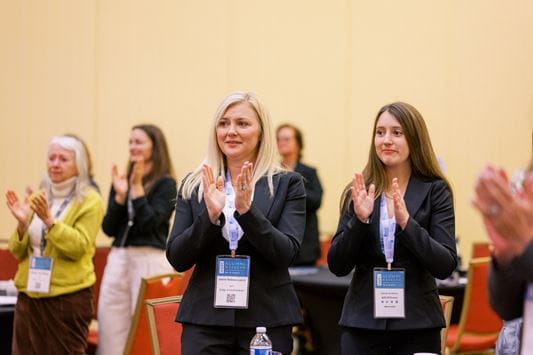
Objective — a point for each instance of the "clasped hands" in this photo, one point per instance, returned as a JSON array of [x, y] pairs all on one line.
[[363, 200], [214, 196], [508, 216]]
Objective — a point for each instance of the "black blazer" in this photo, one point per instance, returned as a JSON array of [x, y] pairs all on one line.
[[152, 216], [273, 230], [425, 249], [310, 249], [508, 284]]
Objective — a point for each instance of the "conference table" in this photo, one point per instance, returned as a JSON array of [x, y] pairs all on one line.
[[7, 313], [322, 294]]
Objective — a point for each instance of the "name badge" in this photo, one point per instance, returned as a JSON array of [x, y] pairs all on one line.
[[232, 281], [527, 327], [40, 274], [389, 293]]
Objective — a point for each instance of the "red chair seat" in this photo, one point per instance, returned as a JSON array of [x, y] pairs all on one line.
[[470, 342]]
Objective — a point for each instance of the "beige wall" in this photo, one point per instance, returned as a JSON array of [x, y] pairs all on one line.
[[98, 67]]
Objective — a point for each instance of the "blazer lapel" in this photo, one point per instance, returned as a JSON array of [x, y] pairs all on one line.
[[374, 225], [415, 194], [262, 199]]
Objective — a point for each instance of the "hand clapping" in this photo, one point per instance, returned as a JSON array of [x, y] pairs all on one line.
[[39, 205], [400, 210], [213, 193], [363, 200], [19, 209], [120, 185], [508, 218], [244, 190]]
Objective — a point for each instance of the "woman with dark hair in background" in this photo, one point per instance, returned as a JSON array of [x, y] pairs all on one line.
[[397, 231], [55, 243], [138, 212], [290, 146]]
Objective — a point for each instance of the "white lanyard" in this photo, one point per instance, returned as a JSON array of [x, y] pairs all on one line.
[[231, 230], [387, 228]]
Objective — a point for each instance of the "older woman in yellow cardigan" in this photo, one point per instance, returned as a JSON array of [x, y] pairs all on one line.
[[55, 242]]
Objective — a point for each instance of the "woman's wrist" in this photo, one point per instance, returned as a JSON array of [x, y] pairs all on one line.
[[21, 229]]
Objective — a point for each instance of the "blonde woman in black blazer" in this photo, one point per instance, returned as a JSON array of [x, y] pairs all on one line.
[[270, 210], [402, 171]]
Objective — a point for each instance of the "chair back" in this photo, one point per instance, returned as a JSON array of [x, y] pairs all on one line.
[[156, 286], [446, 303], [325, 244], [479, 325], [99, 262], [165, 332], [480, 250], [8, 265]]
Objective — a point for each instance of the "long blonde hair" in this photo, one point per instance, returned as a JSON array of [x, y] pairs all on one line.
[[267, 162], [421, 154]]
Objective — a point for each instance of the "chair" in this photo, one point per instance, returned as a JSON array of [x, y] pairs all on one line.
[[479, 325], [156, 286], [8, 265], [165, 332], [480, 250], [99, 262], [324, 248], [446, 303]]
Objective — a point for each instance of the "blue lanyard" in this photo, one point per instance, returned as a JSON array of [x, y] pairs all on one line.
[[387, 228], [232, 231]]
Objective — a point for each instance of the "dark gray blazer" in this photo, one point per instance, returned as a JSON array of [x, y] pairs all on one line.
[[507, 286], [310, 250], [273, 231], [425, 249]]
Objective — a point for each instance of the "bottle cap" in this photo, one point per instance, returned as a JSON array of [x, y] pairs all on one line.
[[260, 330]]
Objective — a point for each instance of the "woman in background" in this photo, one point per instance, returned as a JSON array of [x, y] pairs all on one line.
[[290, 145], [56, 232], [137, 217], [397, 219]]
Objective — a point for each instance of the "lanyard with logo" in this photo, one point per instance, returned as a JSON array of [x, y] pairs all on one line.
[[232, 274], [387, 228], [40, 271], [389, 284], [231, 230]]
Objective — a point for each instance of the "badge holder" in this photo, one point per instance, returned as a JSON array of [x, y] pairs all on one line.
[[232, 281], [40, 274], [389, 293]]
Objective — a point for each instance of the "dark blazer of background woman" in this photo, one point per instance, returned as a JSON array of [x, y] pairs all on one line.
[[425, 249], [310, 249]]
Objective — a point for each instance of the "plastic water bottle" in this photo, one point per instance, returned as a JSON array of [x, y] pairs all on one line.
[[260, 344]]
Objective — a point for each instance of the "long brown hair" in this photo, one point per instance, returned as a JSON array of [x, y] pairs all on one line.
[[161, 163], [421, 154]]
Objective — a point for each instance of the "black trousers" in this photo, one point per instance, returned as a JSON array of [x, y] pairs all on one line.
[[200, 339], [389, 342]]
